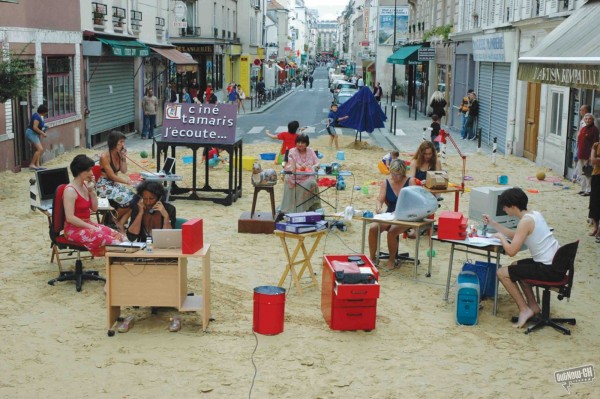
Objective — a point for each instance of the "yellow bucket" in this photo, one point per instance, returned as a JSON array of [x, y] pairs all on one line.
[[247, 162]]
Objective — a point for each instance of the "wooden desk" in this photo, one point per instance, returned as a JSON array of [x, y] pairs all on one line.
[[147, 279], [419, 226], [455, 190], [291, 259], [476, 249]]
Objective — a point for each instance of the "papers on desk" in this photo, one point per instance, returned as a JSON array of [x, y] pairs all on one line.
[[126, 247], [384, 216], [483, 241], [103, 203]]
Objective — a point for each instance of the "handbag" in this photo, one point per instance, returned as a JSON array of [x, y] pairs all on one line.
[[587, 170]]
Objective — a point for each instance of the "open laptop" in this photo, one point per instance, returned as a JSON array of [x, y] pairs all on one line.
[[166, 238], [166, 170]]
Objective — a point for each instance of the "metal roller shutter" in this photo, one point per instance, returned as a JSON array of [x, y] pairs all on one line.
[[500, 86], [484, 96], [111, 94], [460, 88]]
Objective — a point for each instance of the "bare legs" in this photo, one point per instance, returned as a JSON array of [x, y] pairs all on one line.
[[333, 138], [37, 155], [122, 216], [526, 302], [392, 241]]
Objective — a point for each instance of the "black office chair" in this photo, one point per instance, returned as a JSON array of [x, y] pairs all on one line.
[[564, 259]]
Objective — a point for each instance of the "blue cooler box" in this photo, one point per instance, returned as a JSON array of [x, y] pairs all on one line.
[[467, 298], [486, 272]]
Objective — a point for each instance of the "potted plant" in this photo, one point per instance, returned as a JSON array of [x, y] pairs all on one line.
[[98, 18]]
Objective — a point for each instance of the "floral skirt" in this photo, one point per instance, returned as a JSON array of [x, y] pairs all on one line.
[[93, 239], [119, 193]]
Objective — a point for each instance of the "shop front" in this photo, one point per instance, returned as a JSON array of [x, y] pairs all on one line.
[[209, 70], [493, 53], [567, 72], [110, 73]]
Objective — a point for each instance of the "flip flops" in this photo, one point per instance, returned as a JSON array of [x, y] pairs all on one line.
[[597, 239], [126, 324]]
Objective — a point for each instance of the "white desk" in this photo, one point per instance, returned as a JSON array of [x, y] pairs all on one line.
[[476, 249], [418, 226]]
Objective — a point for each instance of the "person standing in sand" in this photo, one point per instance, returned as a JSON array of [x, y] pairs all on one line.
[[533, 231]]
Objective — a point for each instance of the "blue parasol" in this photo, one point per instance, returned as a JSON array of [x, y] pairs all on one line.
[[364, 112]]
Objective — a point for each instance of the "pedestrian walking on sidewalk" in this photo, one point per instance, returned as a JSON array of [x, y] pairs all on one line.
[[471, 117], [463, 111]]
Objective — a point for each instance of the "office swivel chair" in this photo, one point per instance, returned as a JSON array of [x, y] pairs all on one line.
[[59, 242], [563, 259]]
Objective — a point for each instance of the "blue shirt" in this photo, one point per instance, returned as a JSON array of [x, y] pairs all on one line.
[[37, 117]]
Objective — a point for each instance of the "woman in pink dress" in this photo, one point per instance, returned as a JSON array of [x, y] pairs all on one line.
[[302, 165], [79, 199]]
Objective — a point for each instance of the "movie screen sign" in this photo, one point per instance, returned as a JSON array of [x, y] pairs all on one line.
[[199, 123]]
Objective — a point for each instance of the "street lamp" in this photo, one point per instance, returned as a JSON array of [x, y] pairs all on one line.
[[393, 95]]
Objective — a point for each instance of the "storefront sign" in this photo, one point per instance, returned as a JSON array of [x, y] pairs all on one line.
[[493, 48], [426, 54], [569, 75], [196, 48], [199, 123]]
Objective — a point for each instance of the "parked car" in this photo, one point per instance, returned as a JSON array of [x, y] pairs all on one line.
[[338, 85], [344, 96]]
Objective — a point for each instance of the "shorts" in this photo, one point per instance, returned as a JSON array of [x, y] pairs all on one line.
[[528, 269], [32, 136], [331, 130]]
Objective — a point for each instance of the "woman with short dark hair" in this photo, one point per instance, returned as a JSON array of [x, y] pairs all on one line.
[[79, 200], [148, 211]]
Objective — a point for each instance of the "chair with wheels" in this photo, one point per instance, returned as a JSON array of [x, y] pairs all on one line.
[[563, 259], [61, 243]]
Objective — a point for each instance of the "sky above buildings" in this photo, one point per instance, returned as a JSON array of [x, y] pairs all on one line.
[[328, 9]]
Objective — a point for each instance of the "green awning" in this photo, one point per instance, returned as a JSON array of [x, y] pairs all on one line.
[[404, 55], [126, 48]]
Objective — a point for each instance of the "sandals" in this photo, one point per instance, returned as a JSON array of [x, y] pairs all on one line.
[[126, 324], [597, 239]]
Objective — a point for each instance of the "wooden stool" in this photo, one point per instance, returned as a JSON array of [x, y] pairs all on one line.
[[271, 192], [291, 258]]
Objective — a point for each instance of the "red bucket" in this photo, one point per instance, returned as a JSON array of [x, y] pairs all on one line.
[[269, 309]]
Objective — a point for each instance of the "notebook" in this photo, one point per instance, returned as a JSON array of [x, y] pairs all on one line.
[[166, 238]]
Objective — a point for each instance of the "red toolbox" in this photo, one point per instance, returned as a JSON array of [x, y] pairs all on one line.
[[348, 306], [452, 226]]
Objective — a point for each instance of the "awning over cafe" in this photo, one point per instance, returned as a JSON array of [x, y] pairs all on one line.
[[126, 48], [184, 61], [569, 55], [404, 55]]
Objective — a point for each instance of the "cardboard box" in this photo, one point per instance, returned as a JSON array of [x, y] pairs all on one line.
[[436, 180], [192, 236]]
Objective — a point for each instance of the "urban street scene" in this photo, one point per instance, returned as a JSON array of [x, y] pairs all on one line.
[[291, 199]]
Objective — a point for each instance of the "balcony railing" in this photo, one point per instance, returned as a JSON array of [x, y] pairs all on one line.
[[99, 11], [136, 19], [191, 31], [118, 17]]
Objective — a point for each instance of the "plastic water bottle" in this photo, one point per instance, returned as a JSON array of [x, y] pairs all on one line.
[[149, 246]]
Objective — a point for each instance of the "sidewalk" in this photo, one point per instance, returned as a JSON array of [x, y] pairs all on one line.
[[409, 133]]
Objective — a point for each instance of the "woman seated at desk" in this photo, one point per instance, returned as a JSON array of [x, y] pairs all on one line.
[[388, 195], [117, 189], [78, 200], [306, 197], [149, 212], [424, 160]]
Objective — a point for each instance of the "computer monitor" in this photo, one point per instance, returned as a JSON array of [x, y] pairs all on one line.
[[484, 200], [168, 165], [414, 204], [48, 181]]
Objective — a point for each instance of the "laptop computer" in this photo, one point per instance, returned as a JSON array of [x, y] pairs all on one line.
[[166, 170], [166, 238]]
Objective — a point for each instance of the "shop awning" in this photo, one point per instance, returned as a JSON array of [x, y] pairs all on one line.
[[404, 55], [126, 48], [569, 55], [184, 61]]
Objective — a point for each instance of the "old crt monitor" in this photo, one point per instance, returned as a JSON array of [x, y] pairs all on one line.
[[48, 181], [484, 200], [414, 204]]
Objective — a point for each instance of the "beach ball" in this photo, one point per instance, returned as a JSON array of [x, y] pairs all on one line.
[[143, 154], [540, 175]]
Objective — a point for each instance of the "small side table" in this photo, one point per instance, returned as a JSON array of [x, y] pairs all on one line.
[[291, 259]]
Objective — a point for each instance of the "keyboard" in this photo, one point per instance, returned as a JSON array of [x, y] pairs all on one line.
[[150, 175]]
